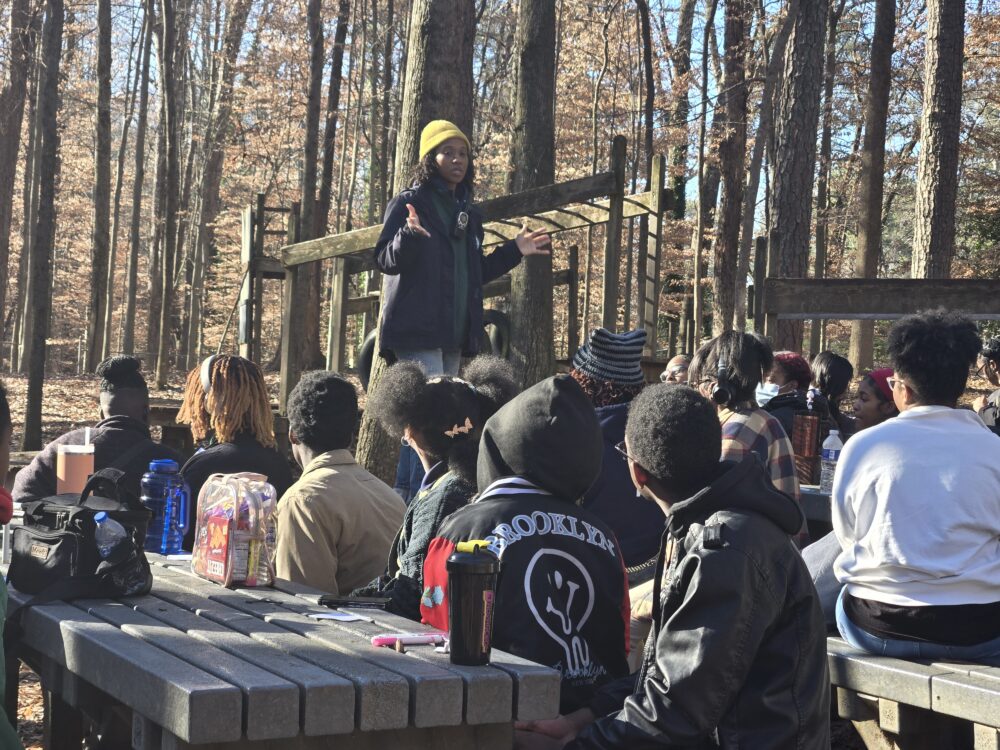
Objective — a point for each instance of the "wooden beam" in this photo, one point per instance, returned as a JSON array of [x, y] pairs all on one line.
[[244, 328], [291, 318], [613, 237], [548, 197], [649, 260], [878, 299], [361, 242], [572, 303], [338, 316]]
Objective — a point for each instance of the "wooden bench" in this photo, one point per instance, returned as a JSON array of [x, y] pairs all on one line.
[[919, 704], [196, 664]]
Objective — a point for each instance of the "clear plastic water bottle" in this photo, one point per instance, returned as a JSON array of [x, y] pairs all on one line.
[[828, 460], [108, 534], [166, 496]]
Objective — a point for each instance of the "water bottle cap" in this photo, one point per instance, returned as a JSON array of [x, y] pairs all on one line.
[[164, 466], [477, 561], [100, 517]]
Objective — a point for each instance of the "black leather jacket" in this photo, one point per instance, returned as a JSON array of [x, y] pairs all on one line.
[[737, 654]]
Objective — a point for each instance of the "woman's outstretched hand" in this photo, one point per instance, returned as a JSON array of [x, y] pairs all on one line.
[[413, 222], [537, 242]]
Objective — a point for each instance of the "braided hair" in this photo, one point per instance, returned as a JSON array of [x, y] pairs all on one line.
[[121, 372]]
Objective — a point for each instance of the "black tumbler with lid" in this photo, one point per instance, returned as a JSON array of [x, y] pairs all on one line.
[[472, 581]]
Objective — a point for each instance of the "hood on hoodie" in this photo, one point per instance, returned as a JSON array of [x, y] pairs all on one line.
[[740, 486], [548, 435]]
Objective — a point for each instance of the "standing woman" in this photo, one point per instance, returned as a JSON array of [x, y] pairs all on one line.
[[431, 251]]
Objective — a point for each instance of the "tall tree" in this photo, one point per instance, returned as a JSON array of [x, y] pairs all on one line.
[[794, 164], [940, 121], [21, 48], [101, 238], [680, 58], [138, 178], [533, 157], [332, 115], [873, 170], [437, 85], [167, 48], [40, 272], [732, 154]]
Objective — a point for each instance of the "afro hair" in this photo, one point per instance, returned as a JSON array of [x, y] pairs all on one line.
[[674, 433], [323, 411], [933, 351]]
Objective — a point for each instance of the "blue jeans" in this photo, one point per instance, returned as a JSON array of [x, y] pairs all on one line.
[[983, 653], [434, 361]]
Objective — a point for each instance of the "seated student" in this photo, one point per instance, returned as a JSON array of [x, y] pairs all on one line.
[[727, 370], [874, 403], [226, 404], [832, 375], [676, 370], [121, 439], [335, 525], [737, 656], [8, 736], [784, 391], [561, 597], [915, 504], [442, 420], [988, 407], [607, 368]]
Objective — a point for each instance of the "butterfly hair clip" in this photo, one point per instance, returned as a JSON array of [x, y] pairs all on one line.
[[457, 430]]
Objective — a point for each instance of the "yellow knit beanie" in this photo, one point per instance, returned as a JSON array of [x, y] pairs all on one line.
[[437, 132]]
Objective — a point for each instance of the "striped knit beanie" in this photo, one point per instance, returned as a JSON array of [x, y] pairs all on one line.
[[612, 357]]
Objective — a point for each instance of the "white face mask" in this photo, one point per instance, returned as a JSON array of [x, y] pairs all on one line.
[[766, 391]]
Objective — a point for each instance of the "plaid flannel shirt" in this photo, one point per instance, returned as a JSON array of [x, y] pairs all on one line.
[[746, 431]]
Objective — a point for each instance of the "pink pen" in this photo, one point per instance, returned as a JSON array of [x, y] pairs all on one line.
[[407, 639]]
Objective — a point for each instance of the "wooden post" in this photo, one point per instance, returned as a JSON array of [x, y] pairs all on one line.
[[291, 320], [572, 302], [613, 239], [649, 262], [690, 327], [245, 327], [337, 326], [258, 278], [759, 274], [773, 266], [671, 338]]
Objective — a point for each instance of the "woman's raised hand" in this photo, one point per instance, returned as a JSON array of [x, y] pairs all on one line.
[[413, 221], [537, 242]]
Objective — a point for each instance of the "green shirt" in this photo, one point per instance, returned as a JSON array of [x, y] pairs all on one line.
[[445, 204]]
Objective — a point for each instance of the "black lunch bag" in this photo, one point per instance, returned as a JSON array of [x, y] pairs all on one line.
[[56, 545]]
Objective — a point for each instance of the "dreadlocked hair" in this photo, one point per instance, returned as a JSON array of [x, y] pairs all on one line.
[[448, 413], [193, 411], [236, 404]]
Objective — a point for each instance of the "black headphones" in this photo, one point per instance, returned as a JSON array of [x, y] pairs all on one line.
[[722, 392]]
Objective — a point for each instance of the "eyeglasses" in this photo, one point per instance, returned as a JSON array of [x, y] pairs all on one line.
[[620, 447], [892, 383]]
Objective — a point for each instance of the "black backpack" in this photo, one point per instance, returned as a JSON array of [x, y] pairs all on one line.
[[54, 553]]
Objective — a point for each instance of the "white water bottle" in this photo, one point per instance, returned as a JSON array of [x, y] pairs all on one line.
[[828, 461], [108, 534]]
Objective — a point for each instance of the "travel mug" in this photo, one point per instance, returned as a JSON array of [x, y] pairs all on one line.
[[472, 580]]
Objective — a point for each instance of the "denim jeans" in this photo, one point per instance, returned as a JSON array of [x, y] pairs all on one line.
[[983, 653], [435, 361]]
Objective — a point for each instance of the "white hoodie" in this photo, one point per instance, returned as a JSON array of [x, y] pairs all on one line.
[[916, 508]]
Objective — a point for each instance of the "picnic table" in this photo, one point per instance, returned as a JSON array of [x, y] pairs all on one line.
[[194, 664]]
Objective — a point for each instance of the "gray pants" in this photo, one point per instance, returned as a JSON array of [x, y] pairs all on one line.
[[819, 558]]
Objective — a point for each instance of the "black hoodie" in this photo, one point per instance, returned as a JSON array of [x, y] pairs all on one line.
[[561, 595], [737, 654]]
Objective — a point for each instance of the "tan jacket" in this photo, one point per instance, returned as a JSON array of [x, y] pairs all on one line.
[[335, 525]]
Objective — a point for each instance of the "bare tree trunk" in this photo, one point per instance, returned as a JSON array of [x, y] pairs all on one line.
[[384, 136], [132, 269], [732, 152], [940, 123], [438, 85], [21, 49], [795, 153], [332, 115], [681, 60], [533, 162], [40, 273], [873, 171], [101, 241], [765, 120]]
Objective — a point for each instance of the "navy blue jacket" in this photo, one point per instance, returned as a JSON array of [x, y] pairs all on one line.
[[418, 294], [638, 523]]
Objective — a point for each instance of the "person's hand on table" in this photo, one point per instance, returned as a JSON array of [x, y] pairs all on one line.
[[413, 221], [559, 730], [535, 242]]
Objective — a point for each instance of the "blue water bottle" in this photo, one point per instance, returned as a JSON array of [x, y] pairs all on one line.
[[166, 496]]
